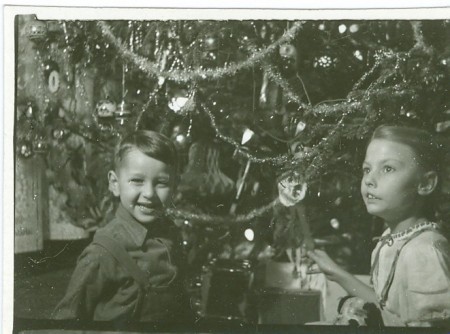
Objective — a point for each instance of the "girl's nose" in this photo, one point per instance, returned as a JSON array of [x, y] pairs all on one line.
[[369, 180]]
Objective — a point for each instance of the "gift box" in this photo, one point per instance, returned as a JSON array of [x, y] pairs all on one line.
[[287, 307]]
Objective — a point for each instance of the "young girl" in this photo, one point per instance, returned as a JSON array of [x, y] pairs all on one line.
[[411, 263], [131, 270]]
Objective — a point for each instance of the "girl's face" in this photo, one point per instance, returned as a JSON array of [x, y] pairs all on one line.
[[391, 178], [143, 184]]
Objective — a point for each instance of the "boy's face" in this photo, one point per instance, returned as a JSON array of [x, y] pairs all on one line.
[[391, 178], [143, 184]]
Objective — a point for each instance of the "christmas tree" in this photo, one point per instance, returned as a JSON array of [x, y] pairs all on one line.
[[262, 112]]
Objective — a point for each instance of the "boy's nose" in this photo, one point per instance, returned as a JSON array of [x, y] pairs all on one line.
[[148, 191]]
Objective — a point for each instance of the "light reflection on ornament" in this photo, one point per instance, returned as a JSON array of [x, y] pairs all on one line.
[[248, 134], [105, 109], [40, 145], [249, 234], [334, 223], [177, 103], [358, 55], [342, 28], [180, 138], [300, 127], [29, 112], [322, 26], [354, 28], [26, 150]]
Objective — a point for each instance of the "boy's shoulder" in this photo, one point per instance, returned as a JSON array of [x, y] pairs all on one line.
[[115, 230]]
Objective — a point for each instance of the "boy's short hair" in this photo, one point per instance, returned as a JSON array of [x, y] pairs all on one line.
[[151, 143]]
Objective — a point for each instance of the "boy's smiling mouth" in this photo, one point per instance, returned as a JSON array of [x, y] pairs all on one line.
[[146, 207]]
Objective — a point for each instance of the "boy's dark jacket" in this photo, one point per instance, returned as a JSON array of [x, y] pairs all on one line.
[[103, 289]]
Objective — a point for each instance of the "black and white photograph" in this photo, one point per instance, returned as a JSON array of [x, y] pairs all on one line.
[[194, 172]]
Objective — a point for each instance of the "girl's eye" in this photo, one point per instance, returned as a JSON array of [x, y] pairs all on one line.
[[366, 170], [388, 169]]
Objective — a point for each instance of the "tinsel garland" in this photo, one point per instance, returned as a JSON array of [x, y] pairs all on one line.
[[281, 159], [228, 220], [284, 84], [195, 74]]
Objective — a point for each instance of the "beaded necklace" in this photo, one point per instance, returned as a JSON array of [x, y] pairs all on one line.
[[406, 236]]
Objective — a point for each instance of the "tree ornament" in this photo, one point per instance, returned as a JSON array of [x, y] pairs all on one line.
[[40, 145], [36, 30], [25, 149], [59, 131], [334, 223], [325, 61], [211, 42], [29, 112], [291, 190], [105, 109], [288, 51]]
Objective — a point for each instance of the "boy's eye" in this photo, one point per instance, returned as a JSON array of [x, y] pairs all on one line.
[[366, 170], [136, 181], [163, 183]]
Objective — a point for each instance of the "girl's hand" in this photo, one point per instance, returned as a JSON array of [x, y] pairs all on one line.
[[325, 265]]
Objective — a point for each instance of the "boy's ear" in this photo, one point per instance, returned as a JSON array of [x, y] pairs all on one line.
[[113, 182], [428, 183]]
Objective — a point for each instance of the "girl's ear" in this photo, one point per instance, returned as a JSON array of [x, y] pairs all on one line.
[[428, 183], [113, 182]]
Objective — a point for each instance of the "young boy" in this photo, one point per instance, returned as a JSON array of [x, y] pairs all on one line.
[[130, 270]]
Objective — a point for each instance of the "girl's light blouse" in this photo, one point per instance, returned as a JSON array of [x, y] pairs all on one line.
[[420, 290]]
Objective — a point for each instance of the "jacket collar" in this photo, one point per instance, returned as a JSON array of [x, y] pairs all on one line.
[[137, 231]]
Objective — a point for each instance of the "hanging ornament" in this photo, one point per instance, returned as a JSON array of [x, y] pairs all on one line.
[[104, 115], [25, 149], [105, 109], [291, 190], [29, 111], [59, 130], [36, 30], [300, 127], [288, 53], [354, 28], [334, 223], [59, 133], [203, 175], [211, 42], [182, 102], [51, 74], [326, 60]]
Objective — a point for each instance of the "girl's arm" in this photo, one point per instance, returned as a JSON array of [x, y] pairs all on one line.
[[335, 273]]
